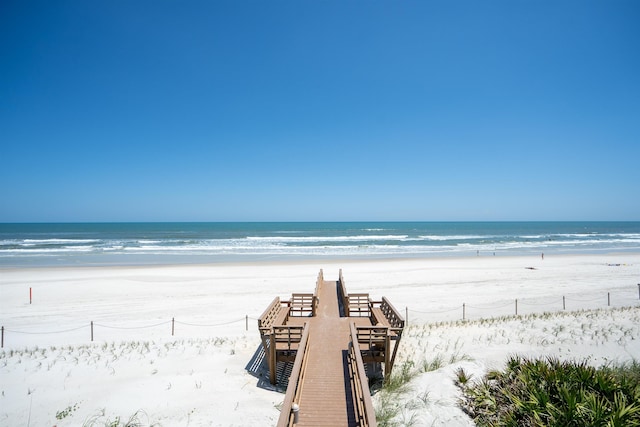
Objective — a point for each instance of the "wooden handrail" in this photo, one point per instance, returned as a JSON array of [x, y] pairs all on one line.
[[372, 335], [265, 319], [358, 305], [287, 334], [345, 297], [365, 412], [319, 283], [392, 316], [296, 379], [302, 305], [395, 318]]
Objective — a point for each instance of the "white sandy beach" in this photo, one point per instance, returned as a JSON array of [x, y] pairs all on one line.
[[52, 374]]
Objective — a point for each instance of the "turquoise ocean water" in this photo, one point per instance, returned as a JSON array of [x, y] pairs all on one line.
[[167, 243]]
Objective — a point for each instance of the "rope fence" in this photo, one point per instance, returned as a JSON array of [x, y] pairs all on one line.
[[462, 309], [517, 306], [41, 333], [436, 312], [130, 327], [93, 326]]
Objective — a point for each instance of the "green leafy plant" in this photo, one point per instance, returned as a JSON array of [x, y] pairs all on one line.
[[551, 392], [66, 412], [462, 378]]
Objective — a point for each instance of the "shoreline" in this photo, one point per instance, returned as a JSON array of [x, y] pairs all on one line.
[[279, 261]]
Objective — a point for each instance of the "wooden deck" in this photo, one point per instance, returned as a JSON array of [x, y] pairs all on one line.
[[326, 382], [325, 398]]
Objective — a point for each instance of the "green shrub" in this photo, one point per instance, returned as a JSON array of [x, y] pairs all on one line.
[[550, 392]]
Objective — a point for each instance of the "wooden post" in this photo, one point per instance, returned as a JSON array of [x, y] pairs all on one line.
[[638, 290], [387, 356], [608, 299], [464, 311], [272, 358], [564, 305], [173, 326], [30, 295], [2, 340], [246, 322], [406, 316], [92, 331], [516, 306]]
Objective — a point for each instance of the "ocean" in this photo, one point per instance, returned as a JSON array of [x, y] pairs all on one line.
[[73, 244]]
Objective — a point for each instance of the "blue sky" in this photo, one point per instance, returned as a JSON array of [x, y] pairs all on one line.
[[325, 110]]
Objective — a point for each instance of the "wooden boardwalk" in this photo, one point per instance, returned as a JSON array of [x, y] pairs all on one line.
[[325, 398], [323, 381]]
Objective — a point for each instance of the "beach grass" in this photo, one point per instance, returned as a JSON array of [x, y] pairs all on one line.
[[138, 419], [433, 355]]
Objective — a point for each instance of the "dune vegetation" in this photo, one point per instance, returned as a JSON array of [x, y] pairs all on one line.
[[551, 392]]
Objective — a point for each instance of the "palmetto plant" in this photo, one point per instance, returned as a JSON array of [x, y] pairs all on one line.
[[551, 392]]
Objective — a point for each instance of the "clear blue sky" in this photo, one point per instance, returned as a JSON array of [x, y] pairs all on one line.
[[127, 110]]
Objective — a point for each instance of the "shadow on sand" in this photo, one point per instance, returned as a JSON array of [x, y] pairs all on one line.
[[259, 368]]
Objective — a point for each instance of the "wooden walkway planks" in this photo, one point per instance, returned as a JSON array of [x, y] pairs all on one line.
[[323, 400], [326, 399]]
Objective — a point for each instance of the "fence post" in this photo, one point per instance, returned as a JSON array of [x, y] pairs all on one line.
[[406, 316], [464, 309], [608, 299], [564, 305], [92, 331], [2, 341], [246, 322], [638, 290], [516, 306], [173, 325], [30, 295]]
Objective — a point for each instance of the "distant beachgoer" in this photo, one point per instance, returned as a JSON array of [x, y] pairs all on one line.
[[543, 256]]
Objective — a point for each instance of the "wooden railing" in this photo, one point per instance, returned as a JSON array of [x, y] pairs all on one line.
[[296, 379], [343, 295], [373, 337], [358, 305], [386, 314], [287, 337], [363, 405], [380, 345], [319, 282], [275, 314], [302, 305]]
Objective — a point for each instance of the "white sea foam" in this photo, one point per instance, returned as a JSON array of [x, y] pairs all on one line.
[[57, 241], [454, 237], [237, 243], [328, 238]]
